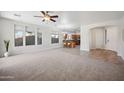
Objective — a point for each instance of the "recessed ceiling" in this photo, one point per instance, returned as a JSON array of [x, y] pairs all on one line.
[[67, 19]]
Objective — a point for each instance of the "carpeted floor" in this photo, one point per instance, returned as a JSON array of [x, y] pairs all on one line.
[[59, 64]]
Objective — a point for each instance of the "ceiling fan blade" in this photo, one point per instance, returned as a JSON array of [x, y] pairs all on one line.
[[53, 20], [37, 16], [43, 12], [43, 20], [55, 16]]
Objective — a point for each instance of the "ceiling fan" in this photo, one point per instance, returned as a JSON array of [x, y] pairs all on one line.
[[47, 17]]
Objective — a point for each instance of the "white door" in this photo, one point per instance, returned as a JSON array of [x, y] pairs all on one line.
[[97, 38], [112, 36], [100, 39]]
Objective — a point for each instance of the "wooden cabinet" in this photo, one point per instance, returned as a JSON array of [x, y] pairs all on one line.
[[69, 44]]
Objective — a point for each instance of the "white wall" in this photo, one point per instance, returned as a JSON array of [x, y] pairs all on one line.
[[121, 38], [7, 33], [84, 34]]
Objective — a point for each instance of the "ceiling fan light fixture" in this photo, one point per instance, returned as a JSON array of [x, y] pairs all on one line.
[[47, 18]]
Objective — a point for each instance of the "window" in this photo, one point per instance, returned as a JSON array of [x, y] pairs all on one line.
[[30, 36], [39, 38], [54, 38], [18, 35]]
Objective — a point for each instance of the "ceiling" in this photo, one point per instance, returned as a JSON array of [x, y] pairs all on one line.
[[68, 20]]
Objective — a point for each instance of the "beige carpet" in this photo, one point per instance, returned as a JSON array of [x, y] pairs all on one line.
[[59, 64]]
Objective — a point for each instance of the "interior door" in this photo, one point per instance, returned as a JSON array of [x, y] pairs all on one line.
[[97, 38], [112, 36]]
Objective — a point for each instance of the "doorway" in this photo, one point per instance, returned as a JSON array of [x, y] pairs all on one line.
[[104, 38], [71, 40]]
